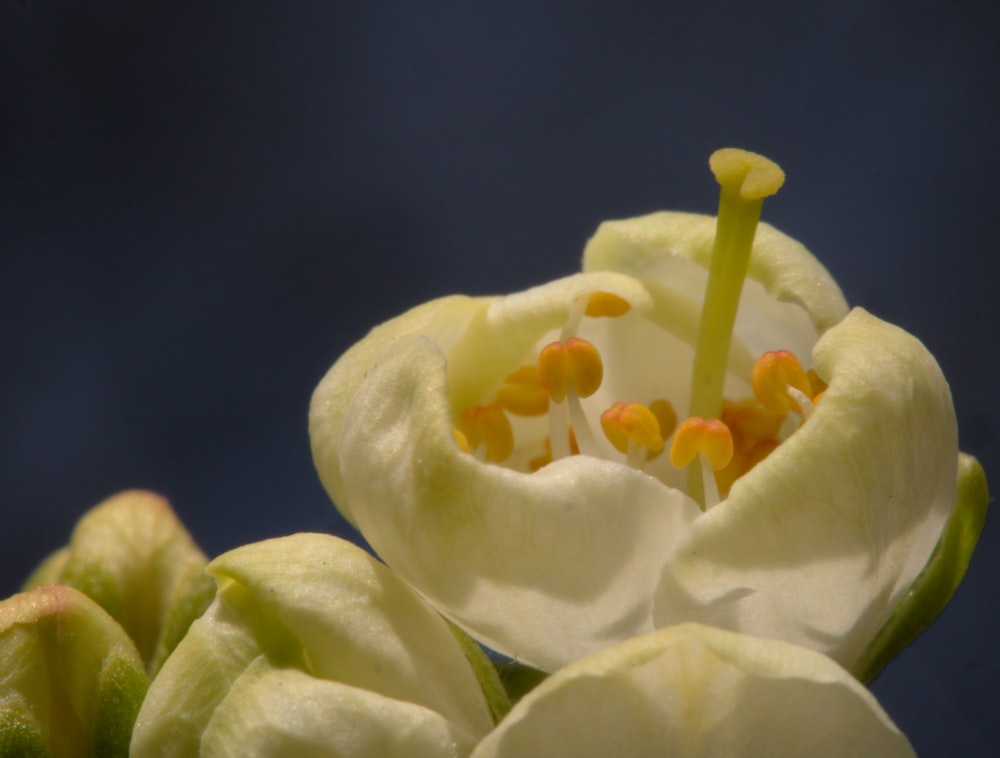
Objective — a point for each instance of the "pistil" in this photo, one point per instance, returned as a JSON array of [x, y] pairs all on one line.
[[745, 179]]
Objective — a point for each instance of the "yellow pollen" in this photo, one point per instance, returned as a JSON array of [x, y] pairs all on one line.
[[522, 394], [626, 424], [697, 436], [773, 374], [606, 304], [574, 364], [487, 426]]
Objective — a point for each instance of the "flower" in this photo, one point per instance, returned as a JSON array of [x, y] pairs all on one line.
[[516, 458], [133, 556], [71, 680], [697, 691], [313, 647]]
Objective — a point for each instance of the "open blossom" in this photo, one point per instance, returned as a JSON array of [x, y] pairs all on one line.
[[649, 442]]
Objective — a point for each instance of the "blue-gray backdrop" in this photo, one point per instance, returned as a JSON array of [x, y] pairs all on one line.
[[203, 204]]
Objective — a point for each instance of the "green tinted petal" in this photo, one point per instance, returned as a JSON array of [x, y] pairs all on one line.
[[443, 320], [698, 691], [819, 542], [935, 585], [197, 676], [320, 606], [358, 623], [284, 712], [71, 681], [132, 556]]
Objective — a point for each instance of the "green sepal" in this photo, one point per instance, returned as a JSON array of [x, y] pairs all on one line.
[[519, 679], [489, 679], [933, 588], [71, 680], [20, 734], [134, 558]]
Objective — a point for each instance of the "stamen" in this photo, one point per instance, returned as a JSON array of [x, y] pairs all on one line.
[[570, 370], [780, 383], [487, 432], [574, 364], [522, 394], [711, 442], [606, 305], [697, 436], [745, 179], [747, 420], [598, 304], [665, 414], [631, 428]]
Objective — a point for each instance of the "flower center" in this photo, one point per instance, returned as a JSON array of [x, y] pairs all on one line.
[[721, 440]]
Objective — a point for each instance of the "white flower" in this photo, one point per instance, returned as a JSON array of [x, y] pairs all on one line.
[[449, 435]]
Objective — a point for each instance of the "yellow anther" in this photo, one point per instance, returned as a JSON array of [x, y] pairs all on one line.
[[521, 393], [749, 421], [627, 424], [666, 416], [744, 459], [606, 304], [750, 175], [697, 436], [817, 385], [574, 363], [461, 440], [540, 461], [487, 426], [773, 374]]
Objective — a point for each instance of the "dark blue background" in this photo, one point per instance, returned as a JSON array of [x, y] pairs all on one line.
[[203, 204]]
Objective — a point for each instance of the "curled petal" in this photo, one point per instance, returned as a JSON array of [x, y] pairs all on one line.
[[544, 567], [695, 690], [320, 606], [271, 712], [819, 542], [789, 298]]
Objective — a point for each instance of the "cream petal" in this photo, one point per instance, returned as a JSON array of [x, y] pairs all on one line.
[[696, 691], [320, 605], [818, 543], [283, 712], [443, 320], [650, 248], [543, 567], [358, 623]]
